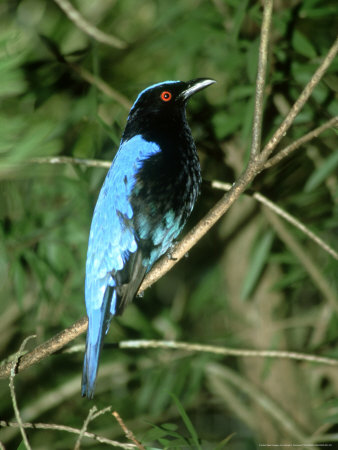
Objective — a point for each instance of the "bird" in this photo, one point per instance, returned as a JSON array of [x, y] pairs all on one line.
[[146, 198]]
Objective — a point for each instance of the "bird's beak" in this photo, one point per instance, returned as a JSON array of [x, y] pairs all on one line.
[[194, 86]]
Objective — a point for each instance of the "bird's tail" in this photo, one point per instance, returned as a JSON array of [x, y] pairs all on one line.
[[97, 327]]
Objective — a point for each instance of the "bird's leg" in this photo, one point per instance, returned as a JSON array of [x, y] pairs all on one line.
[[170, 251]]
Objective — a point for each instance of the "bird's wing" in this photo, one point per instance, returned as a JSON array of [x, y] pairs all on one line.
[[114, 268], [112, 238]]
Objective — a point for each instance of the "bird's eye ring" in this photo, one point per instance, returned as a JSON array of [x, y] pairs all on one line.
[[166, 96]]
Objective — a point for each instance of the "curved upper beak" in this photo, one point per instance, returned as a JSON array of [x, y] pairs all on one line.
[[194, 86]]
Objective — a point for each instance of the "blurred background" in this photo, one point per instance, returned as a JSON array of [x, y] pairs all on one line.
[[253, 282]]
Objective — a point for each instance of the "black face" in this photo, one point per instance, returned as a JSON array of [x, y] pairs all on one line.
[[162, 106], [162, 98]]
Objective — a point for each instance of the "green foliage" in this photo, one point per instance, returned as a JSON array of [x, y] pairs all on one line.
[[257, 263], [53, 103]]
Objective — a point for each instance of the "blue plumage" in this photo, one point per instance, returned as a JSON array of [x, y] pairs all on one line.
[[146, 198]]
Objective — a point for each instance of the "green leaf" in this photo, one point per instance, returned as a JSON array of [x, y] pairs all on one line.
[[187, 422], [257, 264], [302, 45], [322, 173], [226, 124], [154, 434], [225, 442], [238, 18]]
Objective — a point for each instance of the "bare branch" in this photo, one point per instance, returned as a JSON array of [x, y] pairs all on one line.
[[70, 160], [81, 23], [138, 344], [129, 434], [282, 213], [226, 351], [260, 81], [309, 265], [83, 430], [56, 427], [49, 347], [299, 142], [300, 102], [14, 365], [101, 85]]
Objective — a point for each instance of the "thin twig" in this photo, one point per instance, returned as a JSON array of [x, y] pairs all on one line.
[[81, 23], [101, 85], [299, 142], [260, 81], [49, 347], [101, 412], [307, 262], [92, 415], [226, 351], [53, 426], [14, 365], [70, 160], [28, 360], [282, 213], [300, 102], [84, 427], [129, 434]]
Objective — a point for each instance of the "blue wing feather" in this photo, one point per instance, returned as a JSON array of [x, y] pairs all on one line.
[[110, 242]]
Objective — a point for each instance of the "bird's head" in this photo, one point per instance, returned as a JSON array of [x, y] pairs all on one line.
[[162, 103]]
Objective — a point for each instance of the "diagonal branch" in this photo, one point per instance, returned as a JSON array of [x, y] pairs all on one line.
[[300, 102], [309, 265], [299, 142], [282, 213], [81, 23], [47, 348], [100, 84]]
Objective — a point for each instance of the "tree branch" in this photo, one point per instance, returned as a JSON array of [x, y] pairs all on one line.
[[282, 213], [128, 433], [100, 84], [89, 29], [56, 427], [70, 160], [226, 351], [299, 142], [13, 395], [260, 81], [300, 102], [49, 347], [308, 263]]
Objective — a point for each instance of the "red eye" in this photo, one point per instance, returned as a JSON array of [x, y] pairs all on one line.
[[166, 96]]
